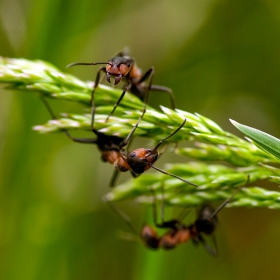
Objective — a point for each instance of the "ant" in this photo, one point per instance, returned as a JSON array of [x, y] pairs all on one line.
[[177, 232], [112, 151], [205, 224], [109, 146], [123, 66]]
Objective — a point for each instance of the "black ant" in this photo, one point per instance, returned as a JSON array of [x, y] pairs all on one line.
[[122, 66], [112, 151], [177, 233]]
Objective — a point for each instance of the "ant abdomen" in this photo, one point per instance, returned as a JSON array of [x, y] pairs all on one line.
[[149, 237]]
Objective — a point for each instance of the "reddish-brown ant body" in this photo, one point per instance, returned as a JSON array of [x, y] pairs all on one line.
[[122, 66]]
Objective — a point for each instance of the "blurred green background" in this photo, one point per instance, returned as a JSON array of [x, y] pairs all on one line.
[[222, 60]]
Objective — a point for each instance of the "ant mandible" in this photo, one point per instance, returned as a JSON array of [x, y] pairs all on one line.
[[122, 66]]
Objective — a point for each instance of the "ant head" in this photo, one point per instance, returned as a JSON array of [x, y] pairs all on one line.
[[118, 67], [141, 159], [203, 222], [149, 237]]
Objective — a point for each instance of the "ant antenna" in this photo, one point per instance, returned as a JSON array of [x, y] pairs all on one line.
[[159, 144], [86, 63], [174, 132], [173, 175], [229, 199], [47, 105]]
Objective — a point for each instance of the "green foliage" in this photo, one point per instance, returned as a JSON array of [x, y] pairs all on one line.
[[221, 59], [216, 182], [264, 141]]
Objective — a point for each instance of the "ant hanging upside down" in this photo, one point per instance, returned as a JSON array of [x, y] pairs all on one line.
[[121, 66], [112, 151], [177, 232]]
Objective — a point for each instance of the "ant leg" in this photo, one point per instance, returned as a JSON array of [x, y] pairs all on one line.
[[96, 83], [47, 105], [97, 80], [149, 74], [114, 178], [154, 206], [229, 199], [173, 224], [174, 132], [79, 140], [213, 252], [163, 223], [165, 89], [162, 203], [122, 215], [125, 142], [118, 101]]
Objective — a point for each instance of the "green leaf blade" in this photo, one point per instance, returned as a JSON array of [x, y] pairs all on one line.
[[265, 141]]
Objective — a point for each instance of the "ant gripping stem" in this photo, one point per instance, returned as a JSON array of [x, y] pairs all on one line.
[[142, 159], [206, 223], [112, 150], [177, 232]]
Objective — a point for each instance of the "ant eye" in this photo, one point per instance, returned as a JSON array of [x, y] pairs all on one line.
[[133, 154], [128, 64]]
